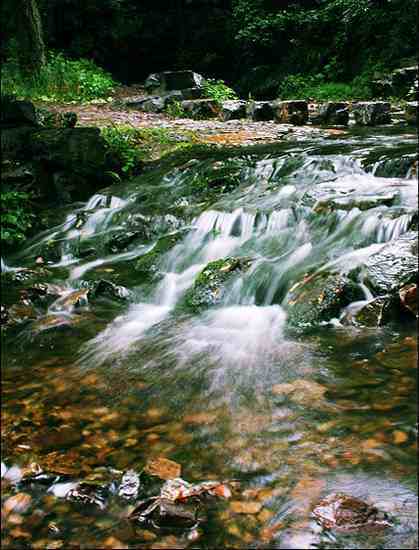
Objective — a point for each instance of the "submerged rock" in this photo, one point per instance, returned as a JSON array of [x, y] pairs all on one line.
[[211, 284], [346, 513], [320, 297]]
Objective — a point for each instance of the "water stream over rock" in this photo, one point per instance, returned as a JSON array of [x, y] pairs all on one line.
[[243, 313]]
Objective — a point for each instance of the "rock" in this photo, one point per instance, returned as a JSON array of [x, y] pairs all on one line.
[[121, 241], [394, 266], [409, 299], [411, 112], [243, 507], [15, 141], [159, 83], [375, 313], [149, 266], [200, 108], [163, 468], [17, 504], [17, 174], [107, 289], [88, 493], [130, 485], [371, 113], [401, 167], [319, 298], [291, 112], [192, 93], [301, 391], [332, 113], [210, 286], [232, 110], [403, 79], [79, 150], [260, 110], [361, 202], [16, 113], [346, 513], [20, 313]]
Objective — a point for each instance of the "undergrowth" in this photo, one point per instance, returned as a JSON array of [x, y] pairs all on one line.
[[61, 79], [16, 216], [316, 87]]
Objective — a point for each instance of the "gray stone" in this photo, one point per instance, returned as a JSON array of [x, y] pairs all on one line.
[[166, 81], [371, 113], [233, 110], [291, 112], [332, 113], [17, 113], [260, 110]]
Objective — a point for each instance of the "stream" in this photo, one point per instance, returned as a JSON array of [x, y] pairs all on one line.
[[212, 365]]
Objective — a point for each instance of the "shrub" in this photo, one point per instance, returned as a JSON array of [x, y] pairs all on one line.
[[175, 110], [16, 216], [61, 79], [316, 87], [218, 90]]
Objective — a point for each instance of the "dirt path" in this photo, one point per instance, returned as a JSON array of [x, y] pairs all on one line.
[[234, 132]]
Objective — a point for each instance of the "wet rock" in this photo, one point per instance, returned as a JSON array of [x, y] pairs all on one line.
[[245, 507], [301, 391], [17, 504], [394, 266], [163, 512], [17, 173], [342, 512], [20, 313], [103, 288], [88, 493], [409, 299], [291, 112], [232, 110], [400, 167], [411, 112], [260, 110], [332, 113], [159, 83], [71, 301], [375, 313], [319, 298], [361, 202], [200, 108], [371, 113], [121, 241], [210, 286], [130, 485]]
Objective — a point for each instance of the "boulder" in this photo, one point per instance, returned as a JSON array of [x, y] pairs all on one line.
[[154, 104], [332, 113], [291, 112], [200, 108], [411, 112], [76, 149], [17, 113], [394, 266], [319, 298], [375, 313], [403, 79], [232, 110], [260, 110], [166, 81], [409, 299], [371, 113]]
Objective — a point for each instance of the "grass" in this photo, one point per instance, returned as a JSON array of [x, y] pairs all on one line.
[[316, 87], [61, 79]]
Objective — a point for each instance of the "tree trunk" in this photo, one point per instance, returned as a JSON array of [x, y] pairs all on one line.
[[30, 43]]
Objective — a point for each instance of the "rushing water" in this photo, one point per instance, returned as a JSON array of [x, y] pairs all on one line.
[[228, 392]]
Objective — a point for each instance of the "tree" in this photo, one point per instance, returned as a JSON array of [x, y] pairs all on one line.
[[29, 39]]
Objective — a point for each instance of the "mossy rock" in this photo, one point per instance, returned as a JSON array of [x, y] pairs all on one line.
[[211, 284], [319, 298], [150, 265]]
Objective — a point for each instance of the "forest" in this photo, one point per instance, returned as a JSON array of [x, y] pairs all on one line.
[[209, 264]]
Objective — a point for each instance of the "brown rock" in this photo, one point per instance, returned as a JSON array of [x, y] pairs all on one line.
[[163, 468]]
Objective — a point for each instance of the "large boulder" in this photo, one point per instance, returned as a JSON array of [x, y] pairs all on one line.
[[394, 266], [200, 108], [291, 112], [155, 103], [260, 111], [167, 81], [332, 113], [319, 298], [17, 113], [372, 113], [399, 83], [233, 110]]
